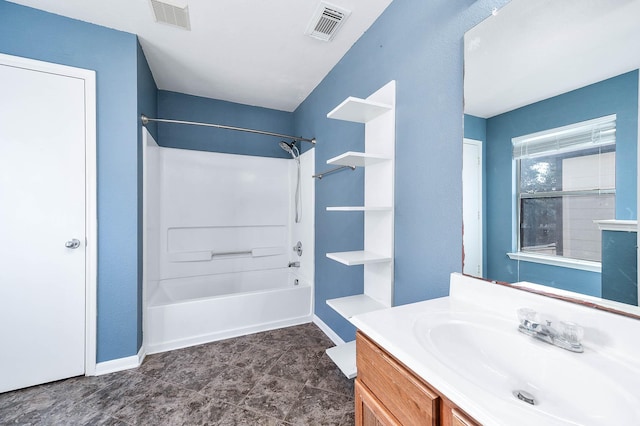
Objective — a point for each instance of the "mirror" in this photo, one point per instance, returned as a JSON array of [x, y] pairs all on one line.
[[537, 75]]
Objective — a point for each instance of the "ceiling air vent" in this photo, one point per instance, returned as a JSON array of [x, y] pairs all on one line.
[[170, 14], [326, 21]]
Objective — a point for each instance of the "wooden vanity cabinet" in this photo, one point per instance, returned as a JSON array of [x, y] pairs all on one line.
[[389, 394], [369, 411], [460, 419]]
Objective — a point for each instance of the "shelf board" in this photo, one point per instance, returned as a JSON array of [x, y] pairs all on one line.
[[357, 159], [361, 257], [344, 356], [358, 110], [359, 209], [355, 305]]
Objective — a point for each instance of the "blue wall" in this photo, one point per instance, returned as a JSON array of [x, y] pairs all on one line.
[[417, 43], [475, 128], [620, 266], [420, 45], [618, 95], [178, 106], [113, 55]]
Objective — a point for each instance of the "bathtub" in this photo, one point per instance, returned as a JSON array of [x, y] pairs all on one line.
[[190, 311]]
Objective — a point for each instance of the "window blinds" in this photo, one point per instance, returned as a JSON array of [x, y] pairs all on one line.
[[587, 134]]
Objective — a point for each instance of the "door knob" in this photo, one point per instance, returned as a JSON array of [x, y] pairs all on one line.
[[72, 244]]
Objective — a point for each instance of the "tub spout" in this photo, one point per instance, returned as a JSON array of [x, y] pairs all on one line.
[[294, 264]]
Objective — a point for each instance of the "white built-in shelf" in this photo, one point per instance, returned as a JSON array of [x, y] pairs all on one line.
[[355, 305], [359, 209], [358, 110], [377, 113], [357, 159], [344, 356], [351, 258]]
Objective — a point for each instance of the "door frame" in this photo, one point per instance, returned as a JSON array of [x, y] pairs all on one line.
[[478, 144], [91, 217]]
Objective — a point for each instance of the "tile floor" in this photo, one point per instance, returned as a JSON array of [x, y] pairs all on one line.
[[278, 377]]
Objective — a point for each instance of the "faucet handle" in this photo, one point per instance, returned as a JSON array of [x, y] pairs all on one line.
[[528, 317], [571, 332]]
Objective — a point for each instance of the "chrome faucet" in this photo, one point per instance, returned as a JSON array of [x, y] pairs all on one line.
[[294, 264], [565, 335]]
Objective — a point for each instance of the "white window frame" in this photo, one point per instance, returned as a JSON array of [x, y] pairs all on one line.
[[552, 260]]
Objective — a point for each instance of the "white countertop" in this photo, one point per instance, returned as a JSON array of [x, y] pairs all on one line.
[[395, 330]]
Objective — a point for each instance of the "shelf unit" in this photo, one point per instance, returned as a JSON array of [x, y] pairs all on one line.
[[360, 110], [377, 112], [356, 159], [344, 357], [360, 257], [354, 305]]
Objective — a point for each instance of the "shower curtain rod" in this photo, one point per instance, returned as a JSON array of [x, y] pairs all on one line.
[[146, 120]]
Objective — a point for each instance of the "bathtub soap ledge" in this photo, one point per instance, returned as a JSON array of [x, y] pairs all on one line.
[[267, 251], [190, 256]]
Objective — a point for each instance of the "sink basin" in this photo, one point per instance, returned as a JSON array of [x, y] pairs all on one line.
[[487, 352]]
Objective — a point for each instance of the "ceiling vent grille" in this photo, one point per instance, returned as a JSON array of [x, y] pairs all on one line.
[[170, 14], [326, 21]]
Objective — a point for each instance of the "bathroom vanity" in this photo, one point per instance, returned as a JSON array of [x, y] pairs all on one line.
[[464, 360], [388, 393]]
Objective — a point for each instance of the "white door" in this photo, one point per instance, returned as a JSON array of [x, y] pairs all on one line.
[[472, 207], [42, 226]]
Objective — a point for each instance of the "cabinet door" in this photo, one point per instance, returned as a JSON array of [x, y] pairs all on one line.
[[459, 419], [369, 411], [399, 390]]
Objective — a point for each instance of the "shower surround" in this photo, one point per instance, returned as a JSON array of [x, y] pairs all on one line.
[[219, 236]]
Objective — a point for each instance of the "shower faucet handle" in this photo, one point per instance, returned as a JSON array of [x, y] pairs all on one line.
[[298, 248]]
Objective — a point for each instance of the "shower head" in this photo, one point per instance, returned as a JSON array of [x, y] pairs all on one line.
[[286, 146], [290, 148]]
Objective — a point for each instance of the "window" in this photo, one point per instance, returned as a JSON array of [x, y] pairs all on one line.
[[565, 181]]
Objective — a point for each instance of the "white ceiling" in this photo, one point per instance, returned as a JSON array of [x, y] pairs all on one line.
[[253, 52], [534, 49]]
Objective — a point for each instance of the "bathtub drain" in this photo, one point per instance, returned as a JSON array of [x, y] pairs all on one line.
[[524, 396]]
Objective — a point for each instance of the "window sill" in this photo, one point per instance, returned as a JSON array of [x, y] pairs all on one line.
[[564, 262], [617, 225]]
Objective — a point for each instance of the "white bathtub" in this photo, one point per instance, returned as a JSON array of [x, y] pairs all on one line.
[[191, 311]]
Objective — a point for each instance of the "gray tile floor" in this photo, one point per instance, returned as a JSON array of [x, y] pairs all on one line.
[[278, 377]]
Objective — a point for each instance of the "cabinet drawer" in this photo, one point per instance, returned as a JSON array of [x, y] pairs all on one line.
[[401, 392]]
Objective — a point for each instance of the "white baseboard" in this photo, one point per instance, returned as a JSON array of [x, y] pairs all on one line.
[[158, 347], [327, 330], [120, 364], [135, 361], [142, 354]]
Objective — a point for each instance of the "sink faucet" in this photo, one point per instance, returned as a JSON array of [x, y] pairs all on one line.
[[294, 264], [565, 335]]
